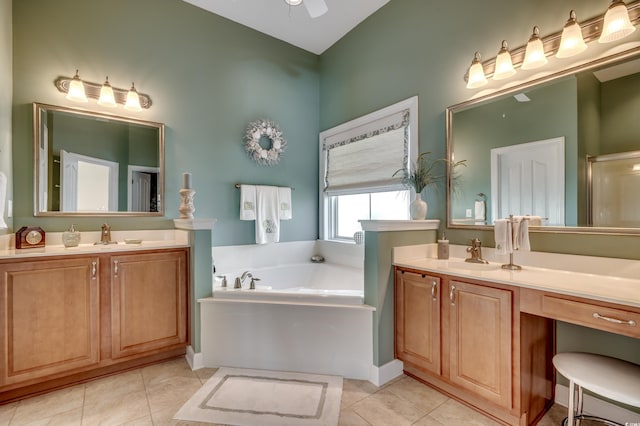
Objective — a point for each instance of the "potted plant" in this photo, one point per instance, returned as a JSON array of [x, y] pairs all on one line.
[[425, 172]]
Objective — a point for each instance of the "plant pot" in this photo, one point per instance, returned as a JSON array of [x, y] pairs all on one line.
[[418, 208]]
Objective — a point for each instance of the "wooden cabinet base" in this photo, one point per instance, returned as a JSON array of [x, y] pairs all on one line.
[[23, 391]]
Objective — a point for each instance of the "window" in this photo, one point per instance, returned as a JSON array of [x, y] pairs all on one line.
[[359, 164]]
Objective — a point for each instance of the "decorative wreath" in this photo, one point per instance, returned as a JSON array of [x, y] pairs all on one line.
[[255, 131]]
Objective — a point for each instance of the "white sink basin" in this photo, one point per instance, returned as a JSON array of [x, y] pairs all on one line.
[[468, 266]]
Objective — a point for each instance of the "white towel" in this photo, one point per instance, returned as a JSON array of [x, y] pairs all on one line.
[[3, 197], [502, 236], [521, 235], [247, 202], [284, 194], [534, 220], [480, 209], [267, 214]]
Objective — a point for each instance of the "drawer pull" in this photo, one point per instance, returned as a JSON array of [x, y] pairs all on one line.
[[94, 269], [434, 291], [631, 323], [452, 295], [115, 267]]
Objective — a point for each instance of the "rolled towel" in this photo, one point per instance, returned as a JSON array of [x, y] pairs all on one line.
[[502, 236]]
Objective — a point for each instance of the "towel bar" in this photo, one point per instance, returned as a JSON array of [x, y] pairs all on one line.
[[237, 185]]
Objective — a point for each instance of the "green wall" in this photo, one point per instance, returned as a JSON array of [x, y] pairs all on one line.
[[208, 78], [620, 111], [6, 78]]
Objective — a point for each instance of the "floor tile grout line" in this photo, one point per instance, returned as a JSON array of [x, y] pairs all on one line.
[[84, 400]]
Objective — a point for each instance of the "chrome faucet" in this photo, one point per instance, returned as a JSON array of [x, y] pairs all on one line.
[[476, 252], [105, 235]]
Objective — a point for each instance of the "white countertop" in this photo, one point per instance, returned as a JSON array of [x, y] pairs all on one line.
[[150, 240], [605, 286]]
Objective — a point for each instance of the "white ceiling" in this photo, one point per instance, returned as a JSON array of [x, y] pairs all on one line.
[[292, 23]]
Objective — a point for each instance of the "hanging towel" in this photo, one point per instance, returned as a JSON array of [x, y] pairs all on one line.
[[284, 194], [267, 214], [521, 234], [3, 197], [503, 236], [480, 209], [247, 202], [534, 220]]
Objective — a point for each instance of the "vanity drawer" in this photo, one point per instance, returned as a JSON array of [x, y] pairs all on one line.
[[592, 315]]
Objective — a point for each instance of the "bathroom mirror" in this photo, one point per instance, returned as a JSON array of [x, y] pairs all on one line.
[[566, 149], [88, 163]]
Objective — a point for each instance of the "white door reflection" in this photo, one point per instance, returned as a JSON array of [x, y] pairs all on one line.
[[88, 183]]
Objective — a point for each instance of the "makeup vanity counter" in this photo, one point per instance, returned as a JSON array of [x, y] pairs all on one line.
[[485, 335], [71, 314]]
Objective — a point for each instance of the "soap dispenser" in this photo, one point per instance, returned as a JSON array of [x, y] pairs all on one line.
[[71, 237]]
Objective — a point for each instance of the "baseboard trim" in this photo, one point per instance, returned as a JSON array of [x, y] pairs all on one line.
[[386, 373], [195, 360], [598, 407]]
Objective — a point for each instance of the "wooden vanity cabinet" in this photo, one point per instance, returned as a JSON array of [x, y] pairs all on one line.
[[148, 303], [70, 318], [50, 313], [467, 339]]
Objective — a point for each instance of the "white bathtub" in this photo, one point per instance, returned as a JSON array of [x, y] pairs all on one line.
[[302, 316]]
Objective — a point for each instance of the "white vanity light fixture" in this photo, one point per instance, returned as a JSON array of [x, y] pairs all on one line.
[[571, 41], [76, 91], [133, 100], [534, 56], [617, 24], [476, 77], [79, 90], [106, 95], [504, 65]]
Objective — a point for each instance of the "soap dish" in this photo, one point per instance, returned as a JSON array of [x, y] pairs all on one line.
[[132, 241]]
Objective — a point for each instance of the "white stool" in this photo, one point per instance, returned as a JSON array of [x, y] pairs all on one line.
[[609, 377]]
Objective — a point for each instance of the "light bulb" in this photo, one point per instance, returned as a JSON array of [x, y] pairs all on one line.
[[534, 56], [504, 65], [76, 90], [571, 41], [106, 95], [476, 73], [616, 24], [133, 100]]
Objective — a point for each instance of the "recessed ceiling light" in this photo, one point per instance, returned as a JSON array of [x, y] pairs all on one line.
[[293, 2]]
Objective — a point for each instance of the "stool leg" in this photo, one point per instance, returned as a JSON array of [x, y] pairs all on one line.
[[571, 403], [579, 404]]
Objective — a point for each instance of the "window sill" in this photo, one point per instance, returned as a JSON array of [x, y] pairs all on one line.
[[399, 225]]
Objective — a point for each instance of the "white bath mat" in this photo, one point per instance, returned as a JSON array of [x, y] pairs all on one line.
[[242, 397]]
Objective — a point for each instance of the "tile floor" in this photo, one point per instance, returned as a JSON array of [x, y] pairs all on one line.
[[151, 395]]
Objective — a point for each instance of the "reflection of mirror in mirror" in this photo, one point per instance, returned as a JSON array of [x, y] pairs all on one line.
[[527, 151], [89, 163]]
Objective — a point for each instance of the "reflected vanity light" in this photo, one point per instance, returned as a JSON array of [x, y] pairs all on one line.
[[77, 90], [534, 56], [618, 22], [476, 73], [504, 65], [571, 42]]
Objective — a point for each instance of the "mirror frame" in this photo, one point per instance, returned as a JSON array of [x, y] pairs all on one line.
[[601, 61], [37, 122]]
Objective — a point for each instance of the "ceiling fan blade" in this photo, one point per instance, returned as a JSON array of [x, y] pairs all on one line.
[[316, 7]]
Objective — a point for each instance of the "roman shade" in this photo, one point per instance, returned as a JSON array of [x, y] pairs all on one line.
[[365, 158]]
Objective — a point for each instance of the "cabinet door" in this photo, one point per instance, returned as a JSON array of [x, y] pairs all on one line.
[[148, 302], [480, 323], [418, 320], [50, 312]]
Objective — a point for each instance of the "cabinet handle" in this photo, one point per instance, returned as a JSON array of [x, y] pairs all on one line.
[[452, 296], [115, 267], [434, 290], [631, 323], [94, 270]]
